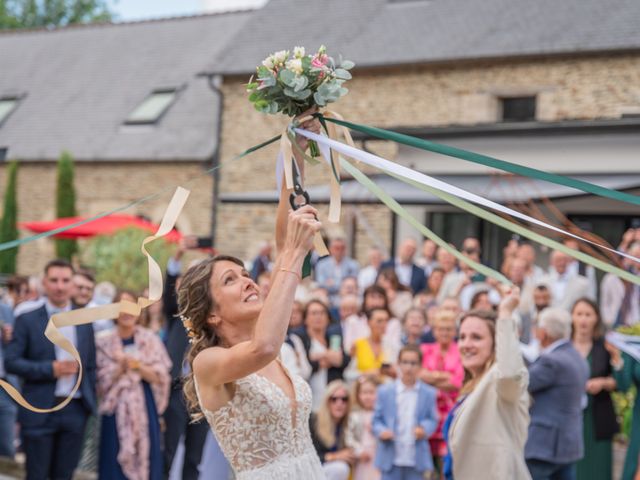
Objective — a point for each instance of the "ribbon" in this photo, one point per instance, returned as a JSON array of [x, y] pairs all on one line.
[[411, 176], [630, 344], [490, 161], [88, 315]]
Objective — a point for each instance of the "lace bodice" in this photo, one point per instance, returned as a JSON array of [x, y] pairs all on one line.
[[256, 432]]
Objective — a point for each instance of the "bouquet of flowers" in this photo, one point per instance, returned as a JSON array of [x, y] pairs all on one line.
[[293, 83]]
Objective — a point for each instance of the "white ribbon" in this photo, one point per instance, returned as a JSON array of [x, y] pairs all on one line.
[[627, 343]]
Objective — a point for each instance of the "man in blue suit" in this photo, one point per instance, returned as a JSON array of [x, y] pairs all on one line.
[[405, 416], [52, 442], [408, 272], [557, 384]]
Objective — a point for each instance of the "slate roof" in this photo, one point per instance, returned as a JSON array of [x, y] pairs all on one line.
[[388, 32], [80, 83]]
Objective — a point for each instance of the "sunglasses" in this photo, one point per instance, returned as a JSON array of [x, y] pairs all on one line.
[[338, 399]]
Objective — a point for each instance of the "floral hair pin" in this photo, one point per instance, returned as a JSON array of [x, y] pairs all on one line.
[[186, 322]]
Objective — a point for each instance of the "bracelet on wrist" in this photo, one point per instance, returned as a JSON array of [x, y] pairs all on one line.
[[292, 271]]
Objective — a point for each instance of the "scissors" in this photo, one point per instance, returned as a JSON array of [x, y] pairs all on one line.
[[298, 190]]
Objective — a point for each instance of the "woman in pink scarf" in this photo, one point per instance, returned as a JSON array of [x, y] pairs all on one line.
[[442, 369], [133, 386]]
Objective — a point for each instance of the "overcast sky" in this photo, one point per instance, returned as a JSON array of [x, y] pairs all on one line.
[[142, 9]]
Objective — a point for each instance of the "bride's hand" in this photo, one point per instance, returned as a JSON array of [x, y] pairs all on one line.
[[302, 226], [311, 124]]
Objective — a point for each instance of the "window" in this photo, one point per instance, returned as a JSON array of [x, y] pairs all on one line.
[[152, 107], [518, 109], [7, 105]]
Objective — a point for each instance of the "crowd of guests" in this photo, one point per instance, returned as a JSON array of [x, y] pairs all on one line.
[[419, 367]]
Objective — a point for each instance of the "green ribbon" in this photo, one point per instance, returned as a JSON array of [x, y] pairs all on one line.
[[501, 222], [398, 209], [489, 161], [55, 231]]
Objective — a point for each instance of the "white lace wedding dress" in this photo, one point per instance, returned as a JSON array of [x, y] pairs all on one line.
[[259, 436]]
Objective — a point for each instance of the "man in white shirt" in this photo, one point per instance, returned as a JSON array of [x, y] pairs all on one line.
[[620, 301], [566, 287], [368, 274]]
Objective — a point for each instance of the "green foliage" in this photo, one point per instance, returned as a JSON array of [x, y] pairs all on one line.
[[65, 203], [117, 258], [623, 404], [8, 224], [16, 14]]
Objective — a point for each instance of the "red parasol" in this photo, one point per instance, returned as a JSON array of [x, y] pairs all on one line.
[[102, 226]]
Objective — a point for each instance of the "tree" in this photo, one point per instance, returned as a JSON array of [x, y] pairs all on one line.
[[15, 14], [116, 258], [65, 203], [8, 225]]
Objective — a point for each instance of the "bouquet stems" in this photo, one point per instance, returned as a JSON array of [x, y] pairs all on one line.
[[314, 151]]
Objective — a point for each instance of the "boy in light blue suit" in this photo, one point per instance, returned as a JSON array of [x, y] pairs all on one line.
[[406, 415]]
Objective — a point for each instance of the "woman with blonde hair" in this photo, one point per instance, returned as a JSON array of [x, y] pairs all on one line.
[[486, 430], [329, 430], [442, 369], [360, 434]]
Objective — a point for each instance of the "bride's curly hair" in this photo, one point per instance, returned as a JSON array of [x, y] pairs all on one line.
[[196, 303]]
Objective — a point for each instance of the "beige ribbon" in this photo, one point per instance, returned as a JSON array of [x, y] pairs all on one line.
[[88, 315]]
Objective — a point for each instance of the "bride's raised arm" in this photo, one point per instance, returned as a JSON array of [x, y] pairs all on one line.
[[223, 364]]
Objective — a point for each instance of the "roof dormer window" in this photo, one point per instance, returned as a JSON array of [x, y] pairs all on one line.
[[7, 106], [152, 108]]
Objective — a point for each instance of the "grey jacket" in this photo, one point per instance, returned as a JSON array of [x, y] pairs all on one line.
[[557, 383]]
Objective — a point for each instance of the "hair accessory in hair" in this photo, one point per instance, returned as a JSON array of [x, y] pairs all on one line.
[[186, 322]]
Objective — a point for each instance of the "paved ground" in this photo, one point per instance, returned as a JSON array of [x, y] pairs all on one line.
[[619, 452]]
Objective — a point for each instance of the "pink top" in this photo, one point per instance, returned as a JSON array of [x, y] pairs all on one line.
[[434, 360]]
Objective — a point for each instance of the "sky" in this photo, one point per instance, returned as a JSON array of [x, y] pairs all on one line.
[[127, 10]]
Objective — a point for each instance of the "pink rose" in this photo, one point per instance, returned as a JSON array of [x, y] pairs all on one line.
[[320, 61]]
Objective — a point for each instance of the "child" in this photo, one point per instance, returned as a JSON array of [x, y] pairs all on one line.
[[360, 435], [405, 416]]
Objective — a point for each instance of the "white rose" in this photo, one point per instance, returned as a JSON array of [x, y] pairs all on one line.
[[298, 52], [280, 57], [295, 65], [269, 62]]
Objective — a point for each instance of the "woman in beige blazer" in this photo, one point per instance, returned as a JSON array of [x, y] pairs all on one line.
[[488, 430]]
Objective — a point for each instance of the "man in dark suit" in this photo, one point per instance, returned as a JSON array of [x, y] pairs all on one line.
[[557, 384], [408, 272], [176, 417], [52, 442]]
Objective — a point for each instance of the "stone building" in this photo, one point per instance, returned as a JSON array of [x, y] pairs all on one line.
[[537, 83]]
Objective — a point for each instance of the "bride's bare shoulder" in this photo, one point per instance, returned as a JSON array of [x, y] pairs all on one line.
[[212, 395]]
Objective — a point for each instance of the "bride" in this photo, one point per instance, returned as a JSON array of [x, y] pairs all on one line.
[[256, 409]]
